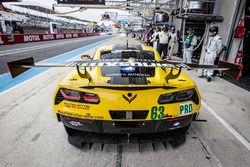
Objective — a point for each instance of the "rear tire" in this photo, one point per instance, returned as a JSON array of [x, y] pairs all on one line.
[[184, 129], [73, 139], [178, 136]]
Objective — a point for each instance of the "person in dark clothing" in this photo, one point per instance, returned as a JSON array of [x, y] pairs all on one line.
[[149, 36]]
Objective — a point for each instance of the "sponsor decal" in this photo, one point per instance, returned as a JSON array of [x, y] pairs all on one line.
[[129, 98], [119, 63], [168, 116], [31, 38], [84, 116], [48, 37], [68, 35], [75, 123], [127, 75], [76, 106], [59, 36]]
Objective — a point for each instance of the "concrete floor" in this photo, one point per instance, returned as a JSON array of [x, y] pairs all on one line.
[[30, 135]]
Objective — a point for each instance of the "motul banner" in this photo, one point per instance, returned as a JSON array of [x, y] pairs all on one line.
[[83, 2], [24, 38]]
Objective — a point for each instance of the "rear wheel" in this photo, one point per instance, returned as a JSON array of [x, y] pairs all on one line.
[[178, 136], [184, 129]]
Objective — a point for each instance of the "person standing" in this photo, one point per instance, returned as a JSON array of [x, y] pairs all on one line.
[[214, 47], [163, 42], [155, 38], [190, 41], [149, 36], [172, 41]]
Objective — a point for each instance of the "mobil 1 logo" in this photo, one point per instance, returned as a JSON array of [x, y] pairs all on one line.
[[186, 109]]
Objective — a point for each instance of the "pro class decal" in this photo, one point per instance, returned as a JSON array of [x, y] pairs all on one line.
[[186, 109]]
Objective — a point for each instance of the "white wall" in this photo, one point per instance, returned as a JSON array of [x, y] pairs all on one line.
[[228, 11]]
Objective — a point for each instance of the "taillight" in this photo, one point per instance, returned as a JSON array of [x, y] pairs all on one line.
[[179, 96], [184, 95], [70, 94], [74, 95], [166, 98], [91, 98]]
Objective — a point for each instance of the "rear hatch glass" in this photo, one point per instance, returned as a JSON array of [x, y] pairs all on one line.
[[126, 71]]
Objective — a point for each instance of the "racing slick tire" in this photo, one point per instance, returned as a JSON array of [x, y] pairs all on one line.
[[178, 136]]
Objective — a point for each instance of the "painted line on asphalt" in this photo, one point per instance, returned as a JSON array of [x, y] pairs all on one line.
[[234, 132], [207, 150], [20, 50], [54, 57], [35, 72], [36, 76]]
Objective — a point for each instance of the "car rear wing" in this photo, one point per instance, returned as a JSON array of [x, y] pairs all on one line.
[[18, 67]]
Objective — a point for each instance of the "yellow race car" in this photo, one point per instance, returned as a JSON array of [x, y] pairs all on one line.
[[123, 95], [125, 104]]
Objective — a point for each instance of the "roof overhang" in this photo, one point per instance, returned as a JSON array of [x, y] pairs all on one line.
[[36, 8], [11, 1]]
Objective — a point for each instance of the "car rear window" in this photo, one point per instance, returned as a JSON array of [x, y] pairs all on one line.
[[138, 54], [128, 71]]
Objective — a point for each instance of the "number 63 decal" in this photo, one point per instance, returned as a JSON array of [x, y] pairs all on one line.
[[157, 112]]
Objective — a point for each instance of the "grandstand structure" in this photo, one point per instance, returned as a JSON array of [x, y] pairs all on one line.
[[33, 18]]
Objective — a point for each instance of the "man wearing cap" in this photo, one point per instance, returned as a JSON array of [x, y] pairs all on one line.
[[214, 47]]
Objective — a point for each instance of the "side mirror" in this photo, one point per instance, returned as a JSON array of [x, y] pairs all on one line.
[[86, 57]]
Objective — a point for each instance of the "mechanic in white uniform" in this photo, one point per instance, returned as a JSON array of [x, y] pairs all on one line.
[[190, 41], [214, 47], [172, 42]]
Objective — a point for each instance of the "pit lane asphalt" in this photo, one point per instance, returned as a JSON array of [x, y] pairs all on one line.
[[30, 135], [42, 50]]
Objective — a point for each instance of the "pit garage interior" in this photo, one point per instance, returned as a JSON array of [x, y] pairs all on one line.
[[30, 133]]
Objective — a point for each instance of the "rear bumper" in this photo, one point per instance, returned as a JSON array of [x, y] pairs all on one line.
[[126, 127]]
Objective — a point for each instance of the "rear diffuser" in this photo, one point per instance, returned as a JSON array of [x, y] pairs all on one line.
[[80, 139]]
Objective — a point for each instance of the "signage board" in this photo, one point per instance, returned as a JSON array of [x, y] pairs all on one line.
[[83, 2]]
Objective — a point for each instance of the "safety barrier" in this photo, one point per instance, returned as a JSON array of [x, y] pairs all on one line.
[[24, 38]]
